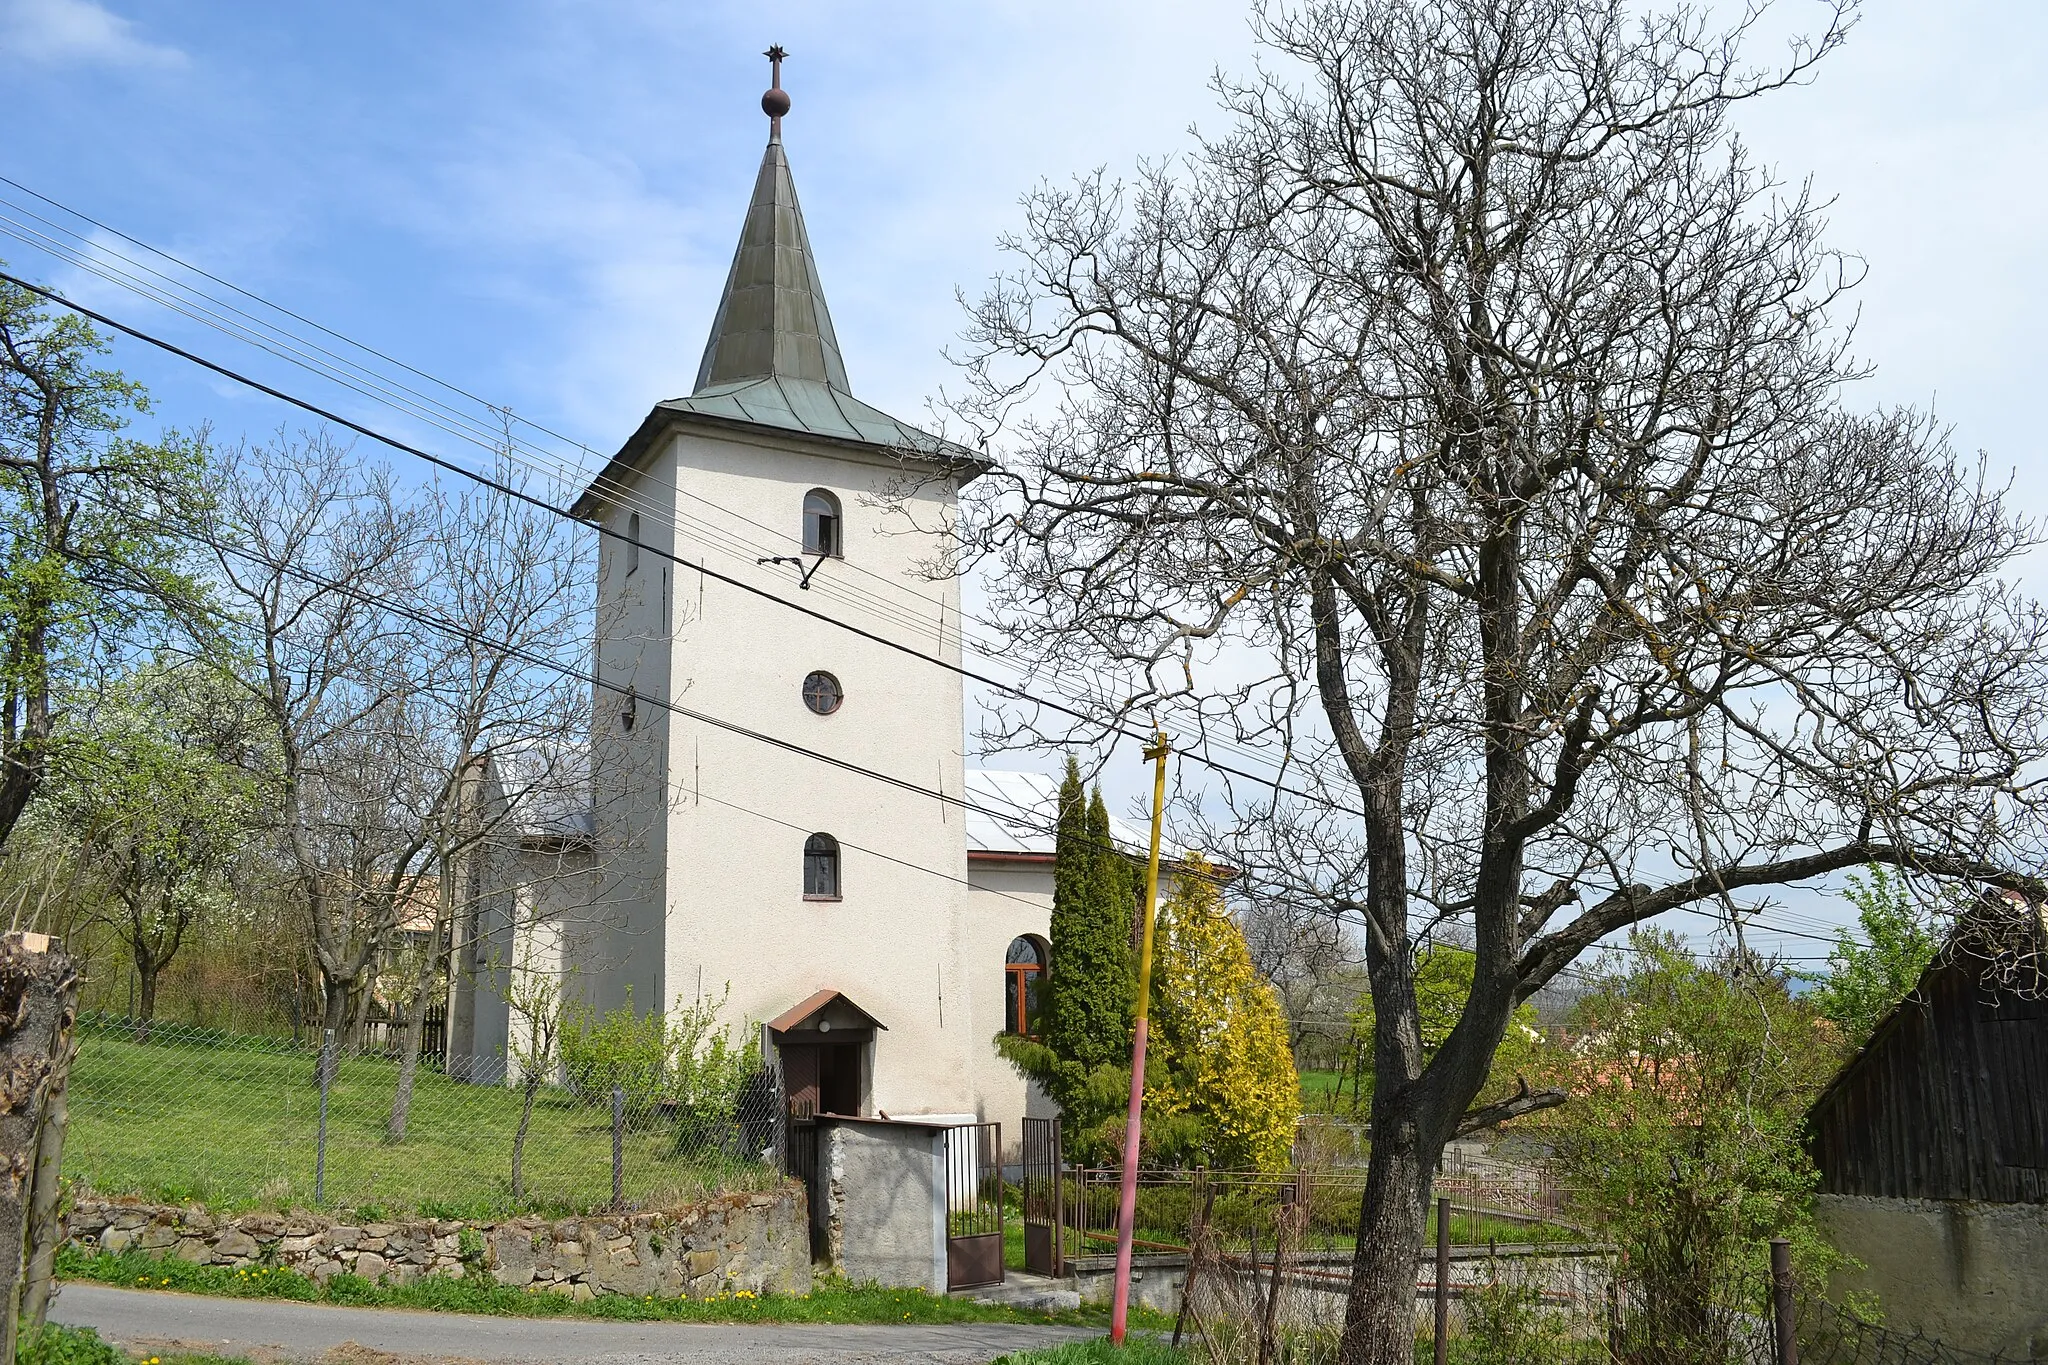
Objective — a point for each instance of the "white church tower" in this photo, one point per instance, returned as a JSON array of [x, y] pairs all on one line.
[[832, 903]]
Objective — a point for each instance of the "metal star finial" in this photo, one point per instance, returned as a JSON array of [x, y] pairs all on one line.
[[775, 103]]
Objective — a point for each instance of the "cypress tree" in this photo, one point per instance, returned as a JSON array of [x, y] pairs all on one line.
[[1082, 1058], [1090, 985]]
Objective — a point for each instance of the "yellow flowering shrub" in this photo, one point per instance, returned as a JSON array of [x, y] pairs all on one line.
[[1220, 1083]]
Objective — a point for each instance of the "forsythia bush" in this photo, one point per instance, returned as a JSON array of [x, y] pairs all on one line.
[[1220, 1080]]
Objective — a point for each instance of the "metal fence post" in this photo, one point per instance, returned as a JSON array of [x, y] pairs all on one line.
[[1782, 1314], [1443, 1279], [618, 1147], [320, 1146]]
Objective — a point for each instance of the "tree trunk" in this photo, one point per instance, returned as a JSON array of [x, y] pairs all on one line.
[[45, 1227], [334, 1025], [409, 1052], [1379, 1313], [145, 1004], [38, 1009], [529, 1089]]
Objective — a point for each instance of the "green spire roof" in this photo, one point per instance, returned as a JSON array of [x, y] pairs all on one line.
[[772, 321]]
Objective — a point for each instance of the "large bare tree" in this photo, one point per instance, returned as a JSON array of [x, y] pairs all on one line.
[[1466, 428], [400, 646]]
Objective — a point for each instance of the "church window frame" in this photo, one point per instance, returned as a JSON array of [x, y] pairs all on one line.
[[824, 525], [632, 544], [1027, 964], [822, 868], [822, 692]]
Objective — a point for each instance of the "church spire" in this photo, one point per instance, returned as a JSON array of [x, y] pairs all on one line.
[[771, 320]]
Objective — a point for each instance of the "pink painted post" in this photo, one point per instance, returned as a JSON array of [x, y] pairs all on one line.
[[1127, 1203]]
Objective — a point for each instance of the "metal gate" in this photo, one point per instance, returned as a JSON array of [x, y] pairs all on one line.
[[1043, 1254], [974, 1205], [800, 1162]]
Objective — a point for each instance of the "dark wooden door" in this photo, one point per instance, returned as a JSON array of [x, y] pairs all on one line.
[[839, 1078]]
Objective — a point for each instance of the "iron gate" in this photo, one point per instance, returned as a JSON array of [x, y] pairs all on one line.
[[974, 1205], [1043, 1254]]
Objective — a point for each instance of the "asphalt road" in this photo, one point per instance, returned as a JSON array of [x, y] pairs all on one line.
[[272, 1331]]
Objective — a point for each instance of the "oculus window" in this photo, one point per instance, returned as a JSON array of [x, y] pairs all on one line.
[[822, 693]]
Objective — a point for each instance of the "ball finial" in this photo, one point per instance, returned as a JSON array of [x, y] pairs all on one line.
[[775, 103]]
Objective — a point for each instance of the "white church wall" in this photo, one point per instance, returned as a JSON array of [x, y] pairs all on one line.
[[901, 941], [738, 916], [1006, 900], [616, 943]]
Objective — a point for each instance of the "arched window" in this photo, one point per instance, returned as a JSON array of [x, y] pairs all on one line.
[[630, 709], [822, 524], [821, 868], [632, 543], [1024, 984]]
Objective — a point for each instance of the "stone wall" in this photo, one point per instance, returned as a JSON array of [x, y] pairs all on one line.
[[756, 1242]]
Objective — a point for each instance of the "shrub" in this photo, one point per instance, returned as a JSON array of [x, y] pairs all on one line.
[[684, 1062], [56, 1345]]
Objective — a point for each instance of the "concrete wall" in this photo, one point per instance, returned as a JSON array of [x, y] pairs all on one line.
[[1973, 1276], [756, 1242], [884, 1189]]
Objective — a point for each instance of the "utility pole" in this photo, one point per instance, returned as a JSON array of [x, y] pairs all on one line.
[[1127, 1206]]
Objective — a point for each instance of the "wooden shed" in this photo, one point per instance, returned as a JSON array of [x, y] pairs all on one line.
[[1949, 1098]]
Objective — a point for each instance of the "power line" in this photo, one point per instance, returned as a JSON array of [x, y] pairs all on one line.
[[467, 429], [441, 462], [542, 504]]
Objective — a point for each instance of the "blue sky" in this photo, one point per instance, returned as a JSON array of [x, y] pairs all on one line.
[[538, 201]]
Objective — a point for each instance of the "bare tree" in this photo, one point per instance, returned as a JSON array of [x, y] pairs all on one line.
[[309, 544], [1480, 402], [508, 584], [1306, 953]]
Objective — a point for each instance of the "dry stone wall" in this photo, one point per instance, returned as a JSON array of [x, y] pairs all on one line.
[[754, 1242]]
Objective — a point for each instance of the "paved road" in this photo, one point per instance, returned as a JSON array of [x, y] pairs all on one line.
[[268, 1330]]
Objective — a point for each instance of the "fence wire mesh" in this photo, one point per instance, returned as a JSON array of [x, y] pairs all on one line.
[[1267, 1286], [236, 1121]]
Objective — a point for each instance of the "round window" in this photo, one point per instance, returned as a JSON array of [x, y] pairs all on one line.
[[822, 693]]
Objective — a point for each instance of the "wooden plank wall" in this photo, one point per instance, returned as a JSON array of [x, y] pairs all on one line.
[[1949, 1100]]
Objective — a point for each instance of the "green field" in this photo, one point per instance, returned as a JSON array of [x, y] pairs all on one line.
[[236, 1128]]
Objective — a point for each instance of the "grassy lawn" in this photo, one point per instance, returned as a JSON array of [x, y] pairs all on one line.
[[236, 1128], [1136, 1350], [830, 1301], [1319, 1090]]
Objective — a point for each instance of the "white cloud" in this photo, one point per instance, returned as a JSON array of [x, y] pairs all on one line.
[[77, 31]]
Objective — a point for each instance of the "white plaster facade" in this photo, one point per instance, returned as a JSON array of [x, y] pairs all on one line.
[[699, 816]]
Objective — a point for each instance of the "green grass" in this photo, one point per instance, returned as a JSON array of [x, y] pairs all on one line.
[[831, 1301], [56, 1345], [235, 1128], [1136, 1350], [1318, 1088]]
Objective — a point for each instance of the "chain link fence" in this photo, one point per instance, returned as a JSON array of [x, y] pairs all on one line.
[[172, 1113], [1274, 1295]]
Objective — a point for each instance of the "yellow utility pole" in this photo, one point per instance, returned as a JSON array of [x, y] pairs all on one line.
[[1127, 1205]]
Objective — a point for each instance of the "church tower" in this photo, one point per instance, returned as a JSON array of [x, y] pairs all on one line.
[[742, 527]]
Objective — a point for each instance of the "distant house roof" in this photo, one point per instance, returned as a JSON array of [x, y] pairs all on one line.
[[1013, 817]]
